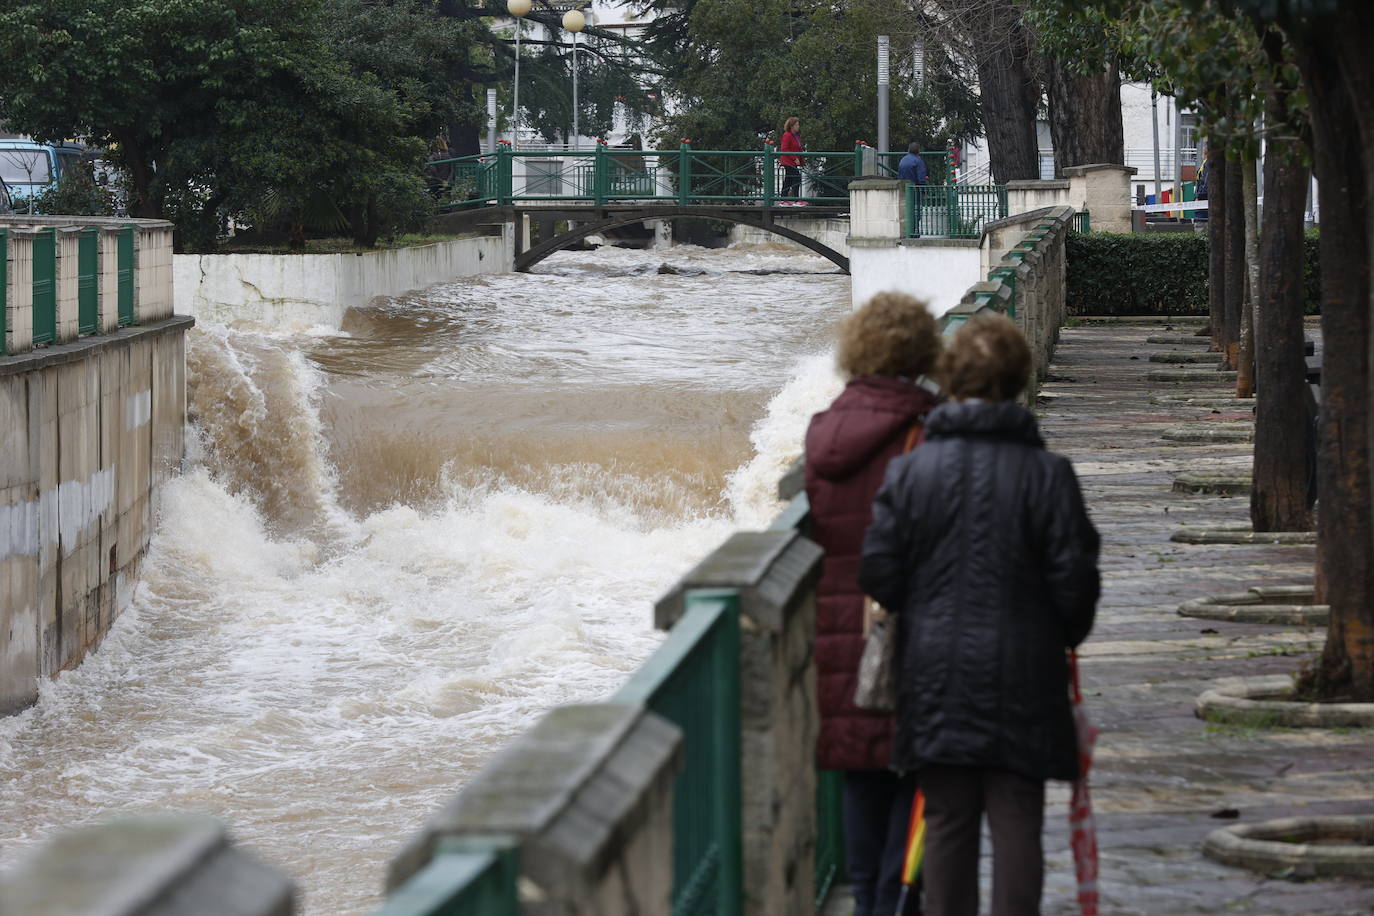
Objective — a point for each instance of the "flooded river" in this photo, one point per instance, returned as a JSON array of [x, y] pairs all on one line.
[[398, 542]]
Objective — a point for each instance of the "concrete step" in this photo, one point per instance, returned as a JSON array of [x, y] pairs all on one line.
[[1179, 357], [1205, 432], [1215, 484], [1196, 376]]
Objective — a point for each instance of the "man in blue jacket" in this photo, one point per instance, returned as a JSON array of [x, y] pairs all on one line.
[[912, 168]]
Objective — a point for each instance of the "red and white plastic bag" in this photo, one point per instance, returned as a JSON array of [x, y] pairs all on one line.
[[1082, 830]]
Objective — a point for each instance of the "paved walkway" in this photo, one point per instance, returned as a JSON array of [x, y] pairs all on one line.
[[1161, 775]]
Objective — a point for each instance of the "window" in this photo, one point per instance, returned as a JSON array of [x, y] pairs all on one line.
[[25, 166]]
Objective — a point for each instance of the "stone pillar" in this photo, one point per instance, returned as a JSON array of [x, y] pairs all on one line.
[[162, 865], [153, 268], [109, 279], [19, 292], [876, 207], [776, 574], [587, 795], [68, 321], [1105, 192]]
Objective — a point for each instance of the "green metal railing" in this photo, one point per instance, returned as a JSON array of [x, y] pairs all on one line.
[[693, 681], [1081, 222], [684, 176], [88, 281], [466, 877], [955, 211], [45, 286]]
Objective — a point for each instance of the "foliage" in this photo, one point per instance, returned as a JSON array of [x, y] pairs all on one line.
[[75, 194], [212, 106], [741, 68], [1153, 274]]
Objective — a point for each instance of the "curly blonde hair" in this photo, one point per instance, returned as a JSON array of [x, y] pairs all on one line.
[[988, 358], [891, 334]]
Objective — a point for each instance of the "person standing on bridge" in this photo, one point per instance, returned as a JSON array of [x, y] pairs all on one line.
[[885, 349], [981, 539], [791, 163], [912, 168]]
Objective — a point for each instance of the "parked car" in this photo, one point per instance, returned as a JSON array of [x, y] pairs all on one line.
[[28, 167]]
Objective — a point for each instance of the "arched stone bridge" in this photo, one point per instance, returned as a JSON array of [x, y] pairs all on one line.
[[593, 220]]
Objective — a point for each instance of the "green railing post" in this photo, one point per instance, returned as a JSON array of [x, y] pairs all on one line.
[[684, 173], [726, 720], [600, 177], [770, 174], [505, 175], [4, 285], [45, 286], [88, 280], [859, 147], [125, 266], [952, 211]]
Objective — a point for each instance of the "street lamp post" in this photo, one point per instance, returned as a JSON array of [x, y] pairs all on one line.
[[519, 9], [574, 22]]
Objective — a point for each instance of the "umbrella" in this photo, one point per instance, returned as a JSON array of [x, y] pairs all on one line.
[[915, 848]]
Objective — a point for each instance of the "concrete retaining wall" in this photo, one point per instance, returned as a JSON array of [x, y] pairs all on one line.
[[833, 233], [316, 289], [92, 429]]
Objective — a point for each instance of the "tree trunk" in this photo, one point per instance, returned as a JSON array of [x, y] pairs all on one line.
[[1345, 537], [1085, 117], [1245, 361], [1217, 177], [1235, 259], [1010, 96], [1278, 501]]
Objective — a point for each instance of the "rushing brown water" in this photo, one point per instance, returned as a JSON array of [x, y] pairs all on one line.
[[398, 542]]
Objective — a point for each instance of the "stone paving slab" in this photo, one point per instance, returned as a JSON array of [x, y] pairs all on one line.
[[1161, 773]]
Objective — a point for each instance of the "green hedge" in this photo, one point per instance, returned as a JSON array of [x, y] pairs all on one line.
[[1152, 274]]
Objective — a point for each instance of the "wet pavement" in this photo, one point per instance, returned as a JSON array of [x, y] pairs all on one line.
[[1163, 779]]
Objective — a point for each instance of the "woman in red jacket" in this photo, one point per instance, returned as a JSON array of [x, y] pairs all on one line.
[[791, 163], [885, 348]]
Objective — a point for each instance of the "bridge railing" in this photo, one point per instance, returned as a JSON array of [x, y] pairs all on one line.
[[603, 175]]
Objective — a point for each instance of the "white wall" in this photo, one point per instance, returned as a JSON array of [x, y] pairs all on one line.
[[939, 271], [316, 289], [833, 233]]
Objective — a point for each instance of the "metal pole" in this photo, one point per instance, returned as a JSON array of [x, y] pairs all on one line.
[[491, 120], [576, 143], [515, 104], [1178, 158], [883, 90], [1154, 122]]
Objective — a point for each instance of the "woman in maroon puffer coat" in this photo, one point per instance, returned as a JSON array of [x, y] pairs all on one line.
[[885, 349]]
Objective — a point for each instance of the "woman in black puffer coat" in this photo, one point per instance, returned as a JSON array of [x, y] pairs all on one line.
[[980, 537]]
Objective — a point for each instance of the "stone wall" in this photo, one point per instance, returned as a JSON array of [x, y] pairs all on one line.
[[1026, 264], [92, 429], [316, 289]]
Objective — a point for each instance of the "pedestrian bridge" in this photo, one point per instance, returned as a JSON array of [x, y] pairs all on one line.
[[603, 189]]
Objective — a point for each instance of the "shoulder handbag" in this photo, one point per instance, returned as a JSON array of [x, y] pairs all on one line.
[[875, 688]]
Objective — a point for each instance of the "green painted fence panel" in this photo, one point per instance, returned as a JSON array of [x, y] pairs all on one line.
[[4, 287], [88, 281], [45, 286], [830, 865], [124, 257], [460, 882], [693, 681]]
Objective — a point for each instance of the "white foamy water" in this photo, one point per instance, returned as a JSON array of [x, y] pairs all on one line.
[[400, 544]]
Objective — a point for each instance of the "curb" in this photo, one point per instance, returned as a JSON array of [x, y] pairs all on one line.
[[1272, 846], [1257, 606], [1232, 700]]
